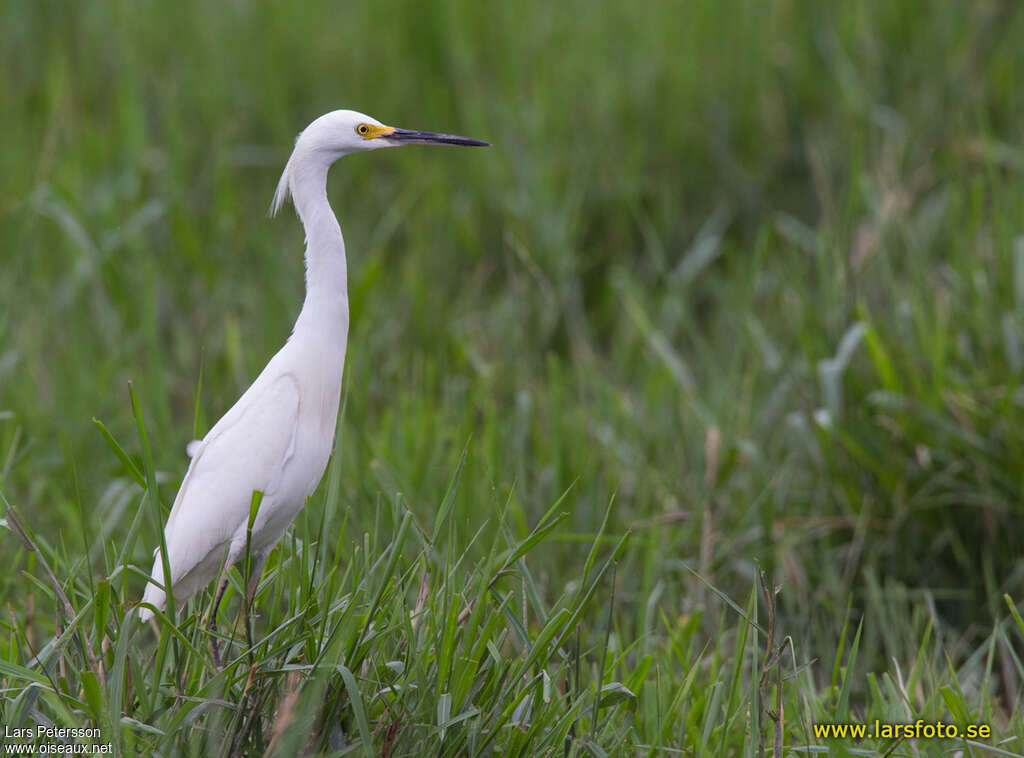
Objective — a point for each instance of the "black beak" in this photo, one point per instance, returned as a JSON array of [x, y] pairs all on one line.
[[414, 137]]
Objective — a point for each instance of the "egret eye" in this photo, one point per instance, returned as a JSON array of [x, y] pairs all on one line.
[[363, 129]]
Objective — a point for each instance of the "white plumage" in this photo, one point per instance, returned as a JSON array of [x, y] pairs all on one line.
[[277, 438]]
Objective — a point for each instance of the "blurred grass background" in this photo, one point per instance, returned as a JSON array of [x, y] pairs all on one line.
[[754, 271]]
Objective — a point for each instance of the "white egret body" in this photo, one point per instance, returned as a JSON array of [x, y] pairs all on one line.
[[278, 437]]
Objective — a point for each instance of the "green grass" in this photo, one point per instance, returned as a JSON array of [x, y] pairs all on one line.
[[738, 289]]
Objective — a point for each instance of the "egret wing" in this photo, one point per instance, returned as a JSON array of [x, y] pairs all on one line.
[[246, 450]]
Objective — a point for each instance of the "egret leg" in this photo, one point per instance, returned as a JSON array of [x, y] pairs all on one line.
[[213, 622], [250, 593], [258, 563]]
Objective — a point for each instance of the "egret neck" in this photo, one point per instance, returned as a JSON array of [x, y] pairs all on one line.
[[326, 304]]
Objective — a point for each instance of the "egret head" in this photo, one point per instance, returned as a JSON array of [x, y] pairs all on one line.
[[343, 132]]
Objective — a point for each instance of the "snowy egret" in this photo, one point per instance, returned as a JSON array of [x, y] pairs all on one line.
[[277, 438]]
